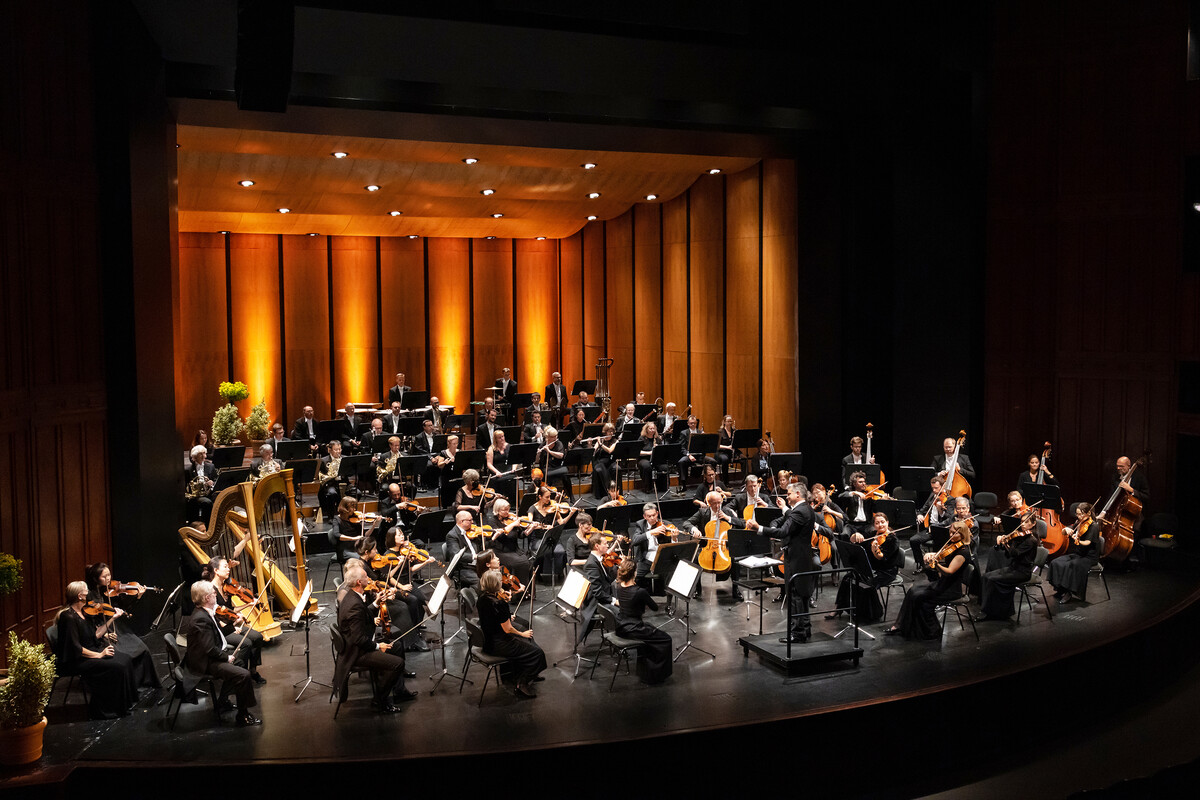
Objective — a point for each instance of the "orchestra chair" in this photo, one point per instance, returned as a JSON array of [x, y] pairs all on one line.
[[885, 592], [175, 670], [614, 641], [984, 501], [1098, 569], [60, 670], [960, 604], [475, 653], [339, 647], [1157, 525], [1035, 582]]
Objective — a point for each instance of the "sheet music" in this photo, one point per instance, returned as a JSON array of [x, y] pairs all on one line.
[[574, 588], [684, 578], [757, 562]]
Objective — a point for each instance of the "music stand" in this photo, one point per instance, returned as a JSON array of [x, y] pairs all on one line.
[[702, 444], [588, 386], [900, 513], [916, 479], [231, 477], [410, 426], [590, 412], [297, 613], [870, 470], [746, 438], [570, 599], [765, 516], [631, 433], [328, 430], [414, 399], [615, 518], [683, 585], [225, 457], [853, 557], [743, 543], [470, 459], [522, 453], [463, 423], [627, 450], [792, 462], [1042, 495], [667, 556], [545, 547], [662, 459], [577, 457], [676, 430], [379, 444], [293, 450]]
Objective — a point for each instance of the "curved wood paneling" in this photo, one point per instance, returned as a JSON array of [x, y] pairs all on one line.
[[402, 272], [780, 369], [648, 305], [355, 321], [707, 317], [202, 344], [537, 313], [571, 265], [595, 299], [674, 304], [306, 327], [743, 316]]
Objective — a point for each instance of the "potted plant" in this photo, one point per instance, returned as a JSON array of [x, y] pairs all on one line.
[[10, 574], [227, 425], [258, 423], [23, 700]]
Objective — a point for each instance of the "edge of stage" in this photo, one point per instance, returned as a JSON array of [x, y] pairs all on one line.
[[727, 723]]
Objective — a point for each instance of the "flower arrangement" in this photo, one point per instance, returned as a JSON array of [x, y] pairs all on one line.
[[10, 574], [24, 697], [259, 421], [233, 392], [227, 425]]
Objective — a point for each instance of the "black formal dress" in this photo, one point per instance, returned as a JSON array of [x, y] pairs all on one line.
[[916, 619], [724, 456], [111, 683], [357, 624], [1069, 573], [129, 643], [508, 548], [868, 607], [555, 468], [525, 659], [603, 468], [208, 654], [999, 585], [646, 463], [654, 654]]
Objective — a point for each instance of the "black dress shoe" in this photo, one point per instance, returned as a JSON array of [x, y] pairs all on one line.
[[259, 679], [224, 705], [538, 679], [834, 615], [892, 632], [246, 718], [409, 674], [405, 695], [737, 596], [418, 647], [794, 639], [384, 707], [524, 690]]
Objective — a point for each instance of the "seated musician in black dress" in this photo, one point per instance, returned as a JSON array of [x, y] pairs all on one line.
[[654, 654], [526, 661], [885, 557], [99, 580], [1069, 573], [603, 465], [917, 618], [507, 535], [999, 585], [648, 440], [107, 673]]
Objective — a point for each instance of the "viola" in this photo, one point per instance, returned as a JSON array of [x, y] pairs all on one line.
[[479, 491], [612, 559], [510, 582], [411, 551], [359, 518], [227, 615], [387, 560], [95, 609], [664, 531], [234, 589], [133, 587]]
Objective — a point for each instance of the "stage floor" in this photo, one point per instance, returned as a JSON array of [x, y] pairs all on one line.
[[746, 698]]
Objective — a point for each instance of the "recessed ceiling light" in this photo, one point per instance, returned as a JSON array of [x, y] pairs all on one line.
[[497, 216], [1196, 206], [413, 236], [247, 184], [591, 217], [714, 171], [541, 238], [395, 213], [284, 210], [489, 237], [223, 233], [339, 154], [371, 187], [651, 197], [588, 165], [593, 195], [487, 192], [314, 234], [177, 145], [470, 160]]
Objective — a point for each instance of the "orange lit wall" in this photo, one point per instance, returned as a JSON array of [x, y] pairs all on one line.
[[254, 278], [355, 319]]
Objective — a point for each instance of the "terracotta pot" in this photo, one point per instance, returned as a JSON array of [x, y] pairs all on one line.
[[22, 745]]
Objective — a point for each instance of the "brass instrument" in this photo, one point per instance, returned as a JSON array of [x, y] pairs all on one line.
[[334, 468], [198, 487], [267, 468], [389, 466]]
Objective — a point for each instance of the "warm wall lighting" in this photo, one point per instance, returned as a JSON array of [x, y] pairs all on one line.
[[588, 165], [470, 160], [413, 236], [489, 237], [284, 210], [714, 171], [591, 217], [651, 197], [487, 192], [246, 184], [223, 233], [314, 234], [541, 238], [339, 154], [497, 216], [593, 195], [395, 213], [371, 187]]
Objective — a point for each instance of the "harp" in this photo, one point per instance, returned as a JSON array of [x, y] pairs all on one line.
[[263, 516]]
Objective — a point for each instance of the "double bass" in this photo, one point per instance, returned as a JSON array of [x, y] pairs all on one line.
[[956, 485], [1119, 515], [1056, 541]]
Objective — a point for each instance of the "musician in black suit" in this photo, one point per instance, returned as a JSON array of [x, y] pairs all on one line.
[[644, 544], [856, 504], [714, 511], [306, 426], [666, 421], [199, 492], [265, 463], [556, 397], [1135, 483], [206, 655], [391, 420], [536, 404], [584, 401], [856, 455], [533, 430], [348, 431], [435, 415], [456, 540], [626, 418], [688, 463], [397, 392], [374, 432], [601, 579], [964, 461], [357, 625], [794, 531], [277, 436], [508, 387], [486, 429], [422, 445]]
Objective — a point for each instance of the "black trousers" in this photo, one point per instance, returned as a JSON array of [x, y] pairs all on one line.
[[389, 669]]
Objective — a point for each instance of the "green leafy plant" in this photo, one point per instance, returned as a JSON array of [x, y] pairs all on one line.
[[10, 574], [259, 421], [233, 392], [31, 675], [226, 425]]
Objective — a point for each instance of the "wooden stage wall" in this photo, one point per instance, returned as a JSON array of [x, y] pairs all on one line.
[[677, 293]]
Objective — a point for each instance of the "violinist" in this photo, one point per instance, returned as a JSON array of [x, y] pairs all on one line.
[[456, 540], [526, 660], [856, 455], [209, 653], [99, 578], [855, 501], [1069, 573], [715, 511], [395, 510], [601, 579], [760, 463], [355, 621], [345, 535], [107, 674], [649, 440], [998, 586], [886, 557], [470, 496], [415, 560], [932, 513], [614, 497], [918, 618], [507, 533], [688, 461], [603, 464], [1017, 507], [200, 478], [217, 572], [942, 463], [654, 663], [646, 532], [406, 607], [553, 455], [725, 451], [577, 543], [548, 512], [444, 461]]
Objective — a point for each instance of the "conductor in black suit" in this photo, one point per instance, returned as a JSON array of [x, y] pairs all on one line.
[[208, 653], [794, 530], [397, 392], [357, 624]]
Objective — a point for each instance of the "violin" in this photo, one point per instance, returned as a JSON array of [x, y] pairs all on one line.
[[94, 608], [133, 587], [612, 559], [410, 550], [227, 615], [388, 560], [479, 530], [664, 529], [234, 589], [480, 491], [510, 583], [363, 518], [948, 549]]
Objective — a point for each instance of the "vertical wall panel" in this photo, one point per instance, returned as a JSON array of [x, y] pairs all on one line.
[[355, 321], [674, 303], [306, 327], [572, 310], [619, 290], [449, 323], [594, 298], [202, 345], [742, 318], [537, 313], [493, 281], [648, 305], [780, 283], [254, 275], [403, 285], [707, 318]]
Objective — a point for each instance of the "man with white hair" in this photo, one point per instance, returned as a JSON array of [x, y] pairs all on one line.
[[357, 624], [199, 478], [208, 653]]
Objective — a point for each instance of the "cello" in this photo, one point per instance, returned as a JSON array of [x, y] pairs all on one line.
[[1055, 541], [956, 485], [1119, 515], [714, 556]]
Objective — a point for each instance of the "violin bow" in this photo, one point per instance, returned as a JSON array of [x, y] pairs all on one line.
[[258, 609]]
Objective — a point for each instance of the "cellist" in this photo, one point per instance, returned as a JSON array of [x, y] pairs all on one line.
[[714, 511]]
